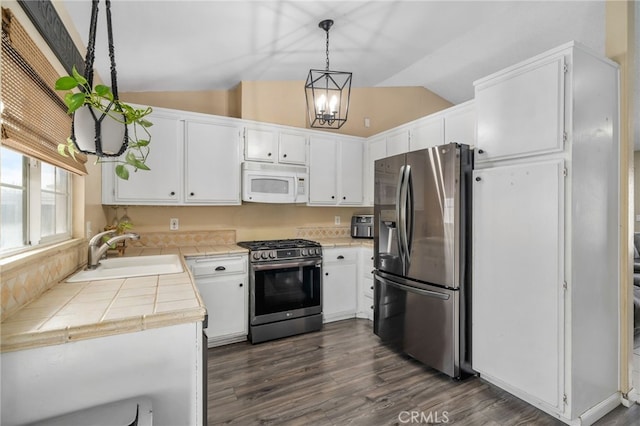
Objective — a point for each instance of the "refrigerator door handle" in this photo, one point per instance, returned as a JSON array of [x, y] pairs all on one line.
[[400, 217], [408, 226], [415, 290]]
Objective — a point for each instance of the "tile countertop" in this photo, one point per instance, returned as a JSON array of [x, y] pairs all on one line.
[[345, 242], [90, 309]]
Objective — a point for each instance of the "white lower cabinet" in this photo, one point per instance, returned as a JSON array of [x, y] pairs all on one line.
[[339, 283], [161, 366], [223, 285], [365, 283], [518, 303]]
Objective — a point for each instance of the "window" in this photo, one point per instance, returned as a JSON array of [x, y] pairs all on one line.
[[36, 202]]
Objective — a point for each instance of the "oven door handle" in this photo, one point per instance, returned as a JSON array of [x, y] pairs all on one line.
[[265, 267]]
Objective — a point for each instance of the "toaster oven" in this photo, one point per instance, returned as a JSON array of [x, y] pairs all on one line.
[[362, 226]]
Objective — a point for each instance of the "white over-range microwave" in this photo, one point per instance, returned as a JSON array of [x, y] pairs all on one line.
[[274, 183]]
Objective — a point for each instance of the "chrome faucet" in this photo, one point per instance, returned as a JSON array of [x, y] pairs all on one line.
[[96, 251]]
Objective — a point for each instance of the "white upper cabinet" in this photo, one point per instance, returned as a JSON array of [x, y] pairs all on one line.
[[426, 133], [323, 170], [212, 157], [335, 171], [521, 112], [375, 149], [460, 124], [194, 159], [292, 148], [163, 183], [260, 144], [397, 141], [350, 176], [275, 144]]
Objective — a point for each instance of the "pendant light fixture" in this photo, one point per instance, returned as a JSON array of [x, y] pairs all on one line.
[[94, 131], [327, 92]]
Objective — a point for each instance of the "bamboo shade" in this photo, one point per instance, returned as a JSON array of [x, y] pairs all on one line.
[[34, 116]]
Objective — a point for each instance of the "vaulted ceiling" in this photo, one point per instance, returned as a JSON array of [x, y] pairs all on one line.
[[441, 45]]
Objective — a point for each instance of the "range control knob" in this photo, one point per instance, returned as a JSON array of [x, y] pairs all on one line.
[[256, 255], [313, 251], [272, 254], [265, 255], [304, 252]]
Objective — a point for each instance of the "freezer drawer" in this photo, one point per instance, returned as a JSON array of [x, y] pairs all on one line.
[[422, 322]]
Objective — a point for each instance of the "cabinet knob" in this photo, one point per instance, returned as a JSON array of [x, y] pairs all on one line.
[[478, 179], [371, 307], [240, 285], [340, 257], [221, 268], [284, 156], [326, 273], [268, 154], [344, 198], [192, 194], [333, 197], [172, 193], [481, 151], [371, 287]]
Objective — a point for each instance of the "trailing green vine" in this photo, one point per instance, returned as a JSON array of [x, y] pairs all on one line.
[[99, 97]]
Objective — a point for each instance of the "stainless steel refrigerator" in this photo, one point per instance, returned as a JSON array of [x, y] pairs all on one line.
[[422, 232]]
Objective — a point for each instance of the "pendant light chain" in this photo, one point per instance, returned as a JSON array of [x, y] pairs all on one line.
[[327, 31]]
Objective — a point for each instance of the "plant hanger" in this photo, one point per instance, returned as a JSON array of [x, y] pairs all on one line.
[[112, 107]]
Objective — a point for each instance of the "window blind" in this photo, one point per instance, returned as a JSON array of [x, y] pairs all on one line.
[[34, 116]]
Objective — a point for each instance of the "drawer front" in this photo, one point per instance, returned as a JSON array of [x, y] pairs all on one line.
[[337, 255], [218, 266]]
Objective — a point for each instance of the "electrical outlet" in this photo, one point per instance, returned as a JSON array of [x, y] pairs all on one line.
[[336, 220], [174, 224]]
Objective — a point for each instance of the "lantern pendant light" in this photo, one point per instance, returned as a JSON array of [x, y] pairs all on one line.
[[95, 132], [327, 92]]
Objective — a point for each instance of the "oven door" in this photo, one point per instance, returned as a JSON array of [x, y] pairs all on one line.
[[285, 290]]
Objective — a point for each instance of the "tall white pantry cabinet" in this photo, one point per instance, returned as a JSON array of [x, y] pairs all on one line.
[[545, 233]]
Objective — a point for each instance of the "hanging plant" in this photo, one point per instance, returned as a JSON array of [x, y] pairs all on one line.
[[100, 105]]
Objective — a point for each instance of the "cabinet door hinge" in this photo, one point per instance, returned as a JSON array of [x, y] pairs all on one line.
[[564, 398], [564, 172], [564, 285], [565, 68]]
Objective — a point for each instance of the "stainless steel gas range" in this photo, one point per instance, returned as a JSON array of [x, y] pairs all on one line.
[[285, 292]]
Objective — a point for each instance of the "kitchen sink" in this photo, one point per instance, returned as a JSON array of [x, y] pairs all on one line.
[[126, 267]]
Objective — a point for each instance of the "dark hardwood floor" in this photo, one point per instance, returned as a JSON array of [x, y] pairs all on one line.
[[343, 375]]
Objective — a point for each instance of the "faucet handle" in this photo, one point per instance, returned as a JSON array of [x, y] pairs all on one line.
[[98, 237]]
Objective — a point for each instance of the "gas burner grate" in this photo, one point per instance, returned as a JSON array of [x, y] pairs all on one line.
[[278, 244]]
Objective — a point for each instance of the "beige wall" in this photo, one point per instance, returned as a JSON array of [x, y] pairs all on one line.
[[251, 221], [619, 47], [215, 102], [283, 102]]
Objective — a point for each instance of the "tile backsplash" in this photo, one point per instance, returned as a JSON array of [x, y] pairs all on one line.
[[323, 232], [184, 239], [26, 278]]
